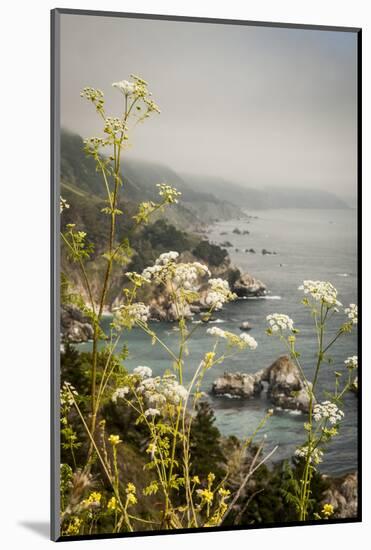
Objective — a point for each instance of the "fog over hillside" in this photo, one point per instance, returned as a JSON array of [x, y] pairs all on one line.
[[141, 176]]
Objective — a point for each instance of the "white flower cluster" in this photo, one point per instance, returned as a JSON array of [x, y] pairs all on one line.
[[327, 411], [156, 271], [131, 314], [321, 291], [216, 331], [352, 362], [120, 393], [162, 390], [249, 341], [139, 89], [143, 372], [63, 204], [315, 456], [126, 87], [243, 340], [114, 125], [152, 273], [219, 293], [219, 285], [185, 279], [280, 321], [186, 276], [352, 312], [151, 412], [183, 276], [167, 257], [65, 394], [139, 312], [169, 193]]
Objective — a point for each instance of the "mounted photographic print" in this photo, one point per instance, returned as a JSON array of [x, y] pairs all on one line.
[[205, 256]]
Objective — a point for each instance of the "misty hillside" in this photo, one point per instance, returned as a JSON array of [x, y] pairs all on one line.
[[78, 176], [269, 197], [204, 198]]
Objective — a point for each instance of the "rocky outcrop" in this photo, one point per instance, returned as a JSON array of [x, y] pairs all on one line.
[[237, 384], [343, 495], [75, 326], [285, 386], [247, 286]]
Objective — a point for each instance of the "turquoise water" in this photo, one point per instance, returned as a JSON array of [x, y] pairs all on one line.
[[310, 244]]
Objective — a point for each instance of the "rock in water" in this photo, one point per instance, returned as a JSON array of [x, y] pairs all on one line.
[[248, 286], [285, 386], [245, 326], [237, 385]]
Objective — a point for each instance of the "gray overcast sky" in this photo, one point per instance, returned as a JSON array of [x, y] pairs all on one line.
[[258, 106]]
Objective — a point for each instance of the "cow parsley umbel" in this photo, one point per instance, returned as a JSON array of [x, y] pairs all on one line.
[[321, 291], [352, 313], [327, 411], [241, 341], [351, 362], [279, 322]]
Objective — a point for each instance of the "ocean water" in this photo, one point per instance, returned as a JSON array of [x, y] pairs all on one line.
[[310, 244]]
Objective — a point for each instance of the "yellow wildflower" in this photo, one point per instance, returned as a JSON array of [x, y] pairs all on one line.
[[327, 510], [114, 439], [93, 499], [206, 495], [74, 526], [208, 359], [131, 499], [211, 478], [112, 504], [196, 479], [130, 488], [130, 492]]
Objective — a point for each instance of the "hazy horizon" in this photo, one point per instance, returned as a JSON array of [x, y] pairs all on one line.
[[258, 106]]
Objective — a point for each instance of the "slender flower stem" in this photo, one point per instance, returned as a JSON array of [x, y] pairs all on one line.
[[305, 488]]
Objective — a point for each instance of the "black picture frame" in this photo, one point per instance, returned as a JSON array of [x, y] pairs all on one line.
[[55, 263]]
